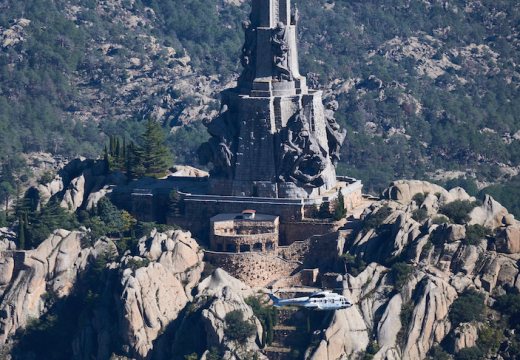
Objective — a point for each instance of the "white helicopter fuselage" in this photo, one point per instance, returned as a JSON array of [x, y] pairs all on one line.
[[321, 301]]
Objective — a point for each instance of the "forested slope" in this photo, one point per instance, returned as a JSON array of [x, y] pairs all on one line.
[[422, 85]]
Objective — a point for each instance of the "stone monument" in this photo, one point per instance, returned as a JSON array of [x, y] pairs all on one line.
[[273, 137]]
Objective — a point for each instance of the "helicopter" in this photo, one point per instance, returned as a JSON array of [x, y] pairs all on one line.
[[320, 301]]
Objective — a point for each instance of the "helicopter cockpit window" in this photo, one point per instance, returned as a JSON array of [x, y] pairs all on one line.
[[318, 296]]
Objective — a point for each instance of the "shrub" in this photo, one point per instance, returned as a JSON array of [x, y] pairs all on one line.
[[475, 233], [441, 219], [266, 314], [473, 353], [135, 264], [375, 220], [489, 339], [468, 307], [237, 328], [419, 198], [406, 318], [401, 273], [420, 215], [437, 353], [458, 211], [354, 264], [509, 305]]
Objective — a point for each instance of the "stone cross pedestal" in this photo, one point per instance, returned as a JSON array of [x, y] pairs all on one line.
[[273, 137]]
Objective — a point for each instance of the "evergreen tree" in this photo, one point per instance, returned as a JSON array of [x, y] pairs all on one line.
[[340, 212], [152, 157], [21, 234]]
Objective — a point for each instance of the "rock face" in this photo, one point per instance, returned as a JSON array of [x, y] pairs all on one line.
[[27, 275], [227, 294], [465, 336], [508, 240], [79, 184], [490, 214], [154, 293], [144, 297], [408, 319]]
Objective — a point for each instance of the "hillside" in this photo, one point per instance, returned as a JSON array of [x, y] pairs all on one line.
[[426, 89]]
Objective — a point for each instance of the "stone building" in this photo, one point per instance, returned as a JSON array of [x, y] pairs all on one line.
[[239, 233]]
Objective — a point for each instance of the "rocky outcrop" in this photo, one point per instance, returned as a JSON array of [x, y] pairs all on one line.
[[146, 291], [464, 336], [508, 240], [188, 171], [52, 268], [491, 214], [79, 184], [408, 319], [227, 294]]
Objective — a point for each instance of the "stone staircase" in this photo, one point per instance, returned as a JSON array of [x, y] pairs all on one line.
[[291, 336]]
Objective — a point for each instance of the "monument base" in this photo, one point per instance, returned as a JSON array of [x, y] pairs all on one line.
[[297, 216]]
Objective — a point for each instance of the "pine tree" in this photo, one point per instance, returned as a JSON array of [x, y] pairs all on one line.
[[152, 157], [340, 212], [21, 234]]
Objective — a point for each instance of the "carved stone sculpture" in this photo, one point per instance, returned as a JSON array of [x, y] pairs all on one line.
[[280, 47], [302, 159], [335, 135], [248, 56], [220, 148]]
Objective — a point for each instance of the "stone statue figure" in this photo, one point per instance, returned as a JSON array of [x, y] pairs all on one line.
[[248, 56], [302, 159], [220, 148], [295, 16], [335, 135], [280, 47]]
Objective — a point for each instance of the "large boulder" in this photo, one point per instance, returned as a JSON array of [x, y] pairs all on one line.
[[227, 294], [490, 214], [429, 321], [464, 336], [508, 240], [156, 287], [403, 191]]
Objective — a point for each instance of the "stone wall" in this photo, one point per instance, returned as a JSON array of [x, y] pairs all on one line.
[[301, 230], [254, 269]]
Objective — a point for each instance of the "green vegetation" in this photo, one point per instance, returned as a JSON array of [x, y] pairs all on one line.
[[401, 273], [467, 184], [437, 353], [406, 319], [36, 225], [339, 207], [507, 194], [489, 339], [353, 264], [475, 233], [375, 220], [458, 211], [267, 315], [509, 305], [372, 349], [420, 215], [238, 329], [473, 353], [151, 157], [419, 198], [468, 307]]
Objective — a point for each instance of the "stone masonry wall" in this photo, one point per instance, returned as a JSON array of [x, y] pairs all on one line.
[[254, 269]]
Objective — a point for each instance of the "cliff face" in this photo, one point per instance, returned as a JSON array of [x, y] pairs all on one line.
[[408, 312]]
